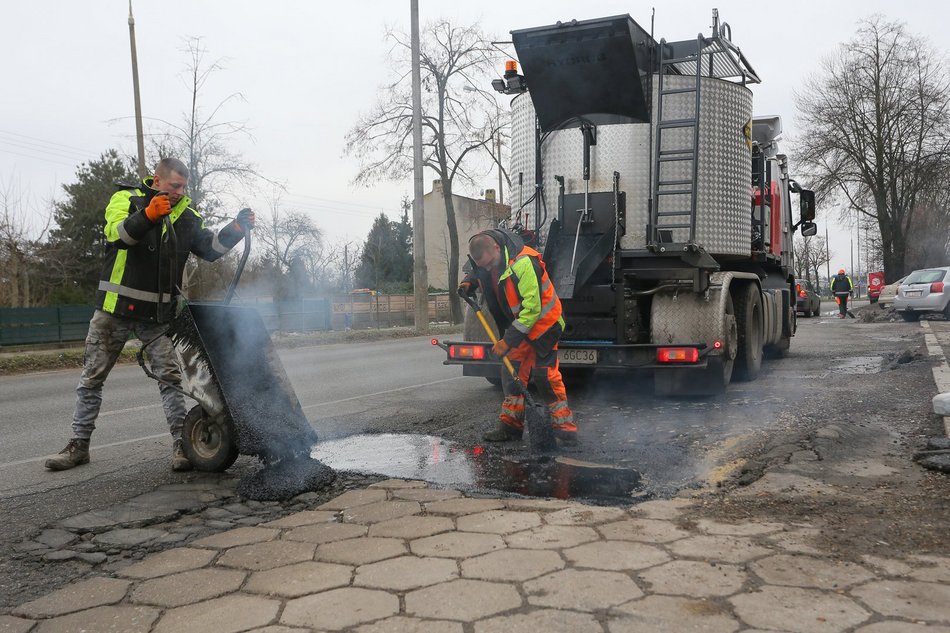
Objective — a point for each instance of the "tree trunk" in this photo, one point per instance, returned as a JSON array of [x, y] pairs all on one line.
[[455, 303]]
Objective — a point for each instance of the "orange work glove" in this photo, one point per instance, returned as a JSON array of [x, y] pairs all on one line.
[[500, 349], [158, 208]]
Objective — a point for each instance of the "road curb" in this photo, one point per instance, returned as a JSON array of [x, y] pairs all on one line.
[[941, 372]]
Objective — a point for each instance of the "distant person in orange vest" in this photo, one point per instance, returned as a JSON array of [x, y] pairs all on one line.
[[521, 298], [842, 288]]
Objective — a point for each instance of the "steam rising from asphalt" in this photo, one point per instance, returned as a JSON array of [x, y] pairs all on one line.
[[268, 420]]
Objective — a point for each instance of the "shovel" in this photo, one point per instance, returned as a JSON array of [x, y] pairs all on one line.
[[536, 416]]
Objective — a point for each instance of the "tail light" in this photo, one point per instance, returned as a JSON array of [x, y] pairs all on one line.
[[677, 355], [468, 352], [936, 286], [802, 294]]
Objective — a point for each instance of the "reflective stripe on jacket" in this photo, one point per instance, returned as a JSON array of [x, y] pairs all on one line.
[[841, 285], [138, 257]]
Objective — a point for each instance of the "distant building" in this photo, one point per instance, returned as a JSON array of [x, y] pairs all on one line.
[[471, 216]]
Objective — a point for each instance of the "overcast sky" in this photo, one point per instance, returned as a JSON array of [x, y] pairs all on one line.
[[307, 69]]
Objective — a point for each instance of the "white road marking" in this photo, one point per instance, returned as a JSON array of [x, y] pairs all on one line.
[[942, 371]]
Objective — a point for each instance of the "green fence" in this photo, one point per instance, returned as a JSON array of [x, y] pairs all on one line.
[[55, 324], [61, 324]]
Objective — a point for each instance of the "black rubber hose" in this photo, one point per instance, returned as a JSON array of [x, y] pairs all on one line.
[[240, 267]]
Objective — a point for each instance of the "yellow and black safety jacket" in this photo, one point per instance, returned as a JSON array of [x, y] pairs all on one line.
[[139, 257], [522, 299]]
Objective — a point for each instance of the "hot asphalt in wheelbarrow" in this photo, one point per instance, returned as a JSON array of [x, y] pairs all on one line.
[[267, 420]]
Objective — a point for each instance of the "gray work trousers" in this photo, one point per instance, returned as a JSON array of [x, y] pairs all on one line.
[[107, 336]]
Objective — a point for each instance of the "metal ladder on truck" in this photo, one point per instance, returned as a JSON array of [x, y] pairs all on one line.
[[667, 222]]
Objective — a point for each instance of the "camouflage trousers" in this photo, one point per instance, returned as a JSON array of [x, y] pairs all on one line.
[[107, 336]]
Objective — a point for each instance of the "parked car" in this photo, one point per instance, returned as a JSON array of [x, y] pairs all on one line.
[[888, 293], [809, 303], [924, 291]]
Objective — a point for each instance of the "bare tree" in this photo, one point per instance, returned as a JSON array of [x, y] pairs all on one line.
[[876, 129], [811, 254], [22, 229], [288, 236], [459, 119], [202, 140]]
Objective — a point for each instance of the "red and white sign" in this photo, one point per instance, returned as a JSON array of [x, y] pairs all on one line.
[[875, 283]]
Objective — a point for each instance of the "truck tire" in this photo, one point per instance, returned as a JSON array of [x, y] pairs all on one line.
[[748, 305], [910, 317], [210, 444], [780, 349]]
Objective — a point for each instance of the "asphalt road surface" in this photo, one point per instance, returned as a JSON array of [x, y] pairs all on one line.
[[401, 387]]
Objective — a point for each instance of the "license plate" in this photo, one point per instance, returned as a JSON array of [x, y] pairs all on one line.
[[577, 356], [912, 293]]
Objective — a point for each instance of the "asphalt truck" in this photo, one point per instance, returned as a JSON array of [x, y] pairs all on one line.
[[662, 206]]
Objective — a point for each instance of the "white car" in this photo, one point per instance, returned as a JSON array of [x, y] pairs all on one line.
[[888, 293], [924, 291]]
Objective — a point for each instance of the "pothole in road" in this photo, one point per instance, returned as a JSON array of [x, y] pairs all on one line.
[[858, 365], [444, 463]]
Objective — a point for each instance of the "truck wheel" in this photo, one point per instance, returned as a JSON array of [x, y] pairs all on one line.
[[495, 381], [748, 303], [910, 317], [209, 443]]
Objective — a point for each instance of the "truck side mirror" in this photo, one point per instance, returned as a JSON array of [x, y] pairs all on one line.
[[809, 229], [806, 201]]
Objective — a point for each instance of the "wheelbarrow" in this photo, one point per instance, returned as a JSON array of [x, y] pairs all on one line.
[[246, 403]]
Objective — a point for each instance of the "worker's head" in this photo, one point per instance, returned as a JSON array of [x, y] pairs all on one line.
[[485, 250], [171, 176], [841, 271]]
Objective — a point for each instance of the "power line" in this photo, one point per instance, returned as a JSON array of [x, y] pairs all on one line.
[[49, 160], [34, 138], [43, 150]]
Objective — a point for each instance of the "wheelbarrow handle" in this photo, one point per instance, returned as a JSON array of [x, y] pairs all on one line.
[[470, 300]]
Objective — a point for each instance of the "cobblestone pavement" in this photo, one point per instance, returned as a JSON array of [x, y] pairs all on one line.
[[399, 556]]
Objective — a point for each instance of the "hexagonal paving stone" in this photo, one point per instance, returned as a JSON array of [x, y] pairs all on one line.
[[512, 564], [360, 551], [236, 537], [581, 590], [907, 599], [399, 484], [533, 503], [584, 515], [326, 532], [737, 529], [307, 517], [170, 561], [498, 521], [805, 571], [457, 544], [119, 619], [412, 527], [10, 624], [800, 540], [695, 579], [901, 627], [340, 608], [934, 569], [406, 572], [645, 530], [552, 537], [666, 509], [798, 610], [402, 624], [267, 555], [381, 511], [75, 596], [458, 507], [465, 600], [353, 498], [188, 587], [298, 580], [426, 495], [661, 614], [728, 549], [616, 555], [228, 614], [279, 629], [547, 620]]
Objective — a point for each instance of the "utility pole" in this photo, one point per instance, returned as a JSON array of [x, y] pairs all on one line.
[[827, 257], [139, 135], [420, 277], [859, 260]]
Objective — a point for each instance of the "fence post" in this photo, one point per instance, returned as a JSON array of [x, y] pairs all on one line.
[[59, 324]]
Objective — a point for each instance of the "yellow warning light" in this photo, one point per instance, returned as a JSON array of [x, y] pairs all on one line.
[[511, 66]]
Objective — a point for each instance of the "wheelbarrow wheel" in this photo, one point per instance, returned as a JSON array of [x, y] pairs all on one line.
[[209, 443]]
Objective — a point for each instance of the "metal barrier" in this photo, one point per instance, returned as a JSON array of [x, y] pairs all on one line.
[[54, 324]]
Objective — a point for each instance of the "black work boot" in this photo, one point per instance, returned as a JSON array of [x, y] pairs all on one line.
[[180, 463], [565, 438], [502, 433], [75, 454]]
